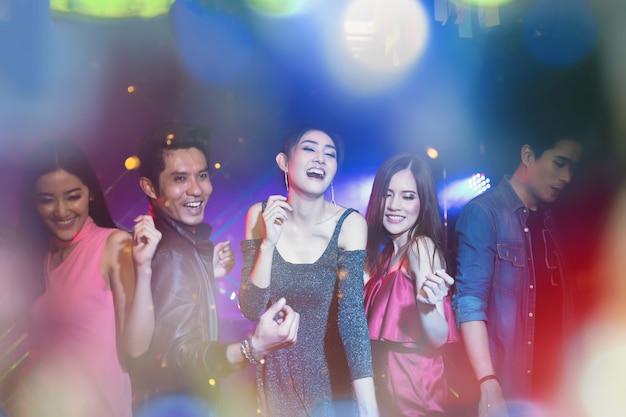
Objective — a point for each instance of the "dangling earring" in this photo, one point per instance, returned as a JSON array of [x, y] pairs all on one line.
[[286, 180], [332, 194]]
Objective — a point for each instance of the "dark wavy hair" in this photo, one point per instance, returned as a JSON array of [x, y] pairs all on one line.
[[428, 222], [49, 157], [295, 134], [166, 137]]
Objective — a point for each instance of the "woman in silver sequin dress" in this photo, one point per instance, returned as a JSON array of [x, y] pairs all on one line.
[[310, 251]]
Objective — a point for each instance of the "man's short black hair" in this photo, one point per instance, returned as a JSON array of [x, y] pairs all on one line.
[[167, 137]]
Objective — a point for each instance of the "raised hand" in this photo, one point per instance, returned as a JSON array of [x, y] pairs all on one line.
[[277, 328], [275, 214], [146, 238], [435, 287], [223, 259]]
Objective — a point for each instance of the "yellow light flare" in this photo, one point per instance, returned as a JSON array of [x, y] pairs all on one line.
[[432, 153], [132, 162]]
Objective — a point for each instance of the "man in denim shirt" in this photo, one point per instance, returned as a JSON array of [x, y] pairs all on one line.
[[511, 299]]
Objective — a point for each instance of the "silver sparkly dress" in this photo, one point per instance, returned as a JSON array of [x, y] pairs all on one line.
[[312, 377]]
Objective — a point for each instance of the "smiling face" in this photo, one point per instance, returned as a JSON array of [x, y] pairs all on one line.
[[549, 175], [184, 187], [312, 163], [62, 201], [402, 204]]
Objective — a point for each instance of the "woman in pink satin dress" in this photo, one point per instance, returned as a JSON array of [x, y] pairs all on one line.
[[406, 290], [96, 301]]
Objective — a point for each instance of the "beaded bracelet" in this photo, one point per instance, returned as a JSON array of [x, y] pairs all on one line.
[[247, 350], [487, 378]]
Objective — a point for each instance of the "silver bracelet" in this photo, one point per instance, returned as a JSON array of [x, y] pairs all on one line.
[[247, 350]]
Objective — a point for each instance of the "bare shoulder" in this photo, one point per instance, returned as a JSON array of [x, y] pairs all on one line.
[[353, 235], [118, 242], [117, 252], [424, 252], [119, 239], [422, 244], [354, 220], [254, 222]]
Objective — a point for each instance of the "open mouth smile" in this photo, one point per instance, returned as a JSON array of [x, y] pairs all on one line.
[[316, 173]]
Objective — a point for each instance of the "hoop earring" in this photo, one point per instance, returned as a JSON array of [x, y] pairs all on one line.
[[286, 180], [332, 194]]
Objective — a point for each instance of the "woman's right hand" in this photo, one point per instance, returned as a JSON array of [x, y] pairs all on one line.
[[275, 214]]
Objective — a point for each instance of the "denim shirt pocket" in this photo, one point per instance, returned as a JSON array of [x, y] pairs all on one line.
[[509, 268]]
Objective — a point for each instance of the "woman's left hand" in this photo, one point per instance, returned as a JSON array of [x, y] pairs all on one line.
[[435, 288]]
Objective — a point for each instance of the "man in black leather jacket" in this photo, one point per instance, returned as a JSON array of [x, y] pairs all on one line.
[[185, 355]]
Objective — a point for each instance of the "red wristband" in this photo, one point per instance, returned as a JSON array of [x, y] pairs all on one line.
[[487, 378]]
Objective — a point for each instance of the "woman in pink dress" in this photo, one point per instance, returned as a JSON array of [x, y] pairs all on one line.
[[406, 291], [96, 305]]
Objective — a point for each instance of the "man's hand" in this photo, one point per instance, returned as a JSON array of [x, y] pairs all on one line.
[[223, 259], [277, 328], [491, 402]]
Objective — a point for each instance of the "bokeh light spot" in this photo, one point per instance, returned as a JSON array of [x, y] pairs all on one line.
[[385, 36], [432, 153], [382, 40], [275, 7], [132, 162], [603, 379]]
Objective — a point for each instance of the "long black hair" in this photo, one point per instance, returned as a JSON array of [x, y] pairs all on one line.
[[49, 157], [428, 221]]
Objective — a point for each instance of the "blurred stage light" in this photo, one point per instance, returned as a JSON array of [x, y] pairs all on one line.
[[456, 194], [382, 41], [276, 8], [112, 8], [355, 192], [486, 2], [602, 379], [132, 162], [215, 48], [432, 153], [385, 35], [479, 183]]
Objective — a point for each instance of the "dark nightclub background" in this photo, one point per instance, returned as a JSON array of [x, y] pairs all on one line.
[[460, 81]]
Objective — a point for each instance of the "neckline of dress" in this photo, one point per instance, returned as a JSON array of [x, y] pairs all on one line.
[[62, 244]]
